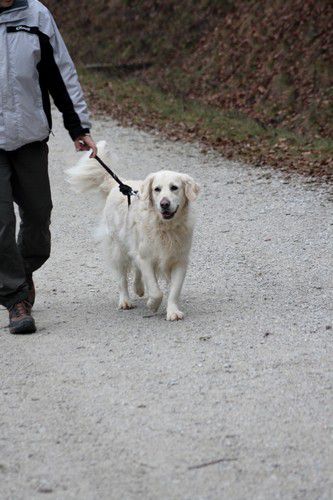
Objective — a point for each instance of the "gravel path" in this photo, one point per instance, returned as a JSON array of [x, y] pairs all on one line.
[[233, 403]]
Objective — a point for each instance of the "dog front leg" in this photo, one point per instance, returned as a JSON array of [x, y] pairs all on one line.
[[119, 263], [124, 300], [154, 293], [177, 279]]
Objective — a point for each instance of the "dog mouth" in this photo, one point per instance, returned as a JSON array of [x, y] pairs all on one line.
[[167, 215]]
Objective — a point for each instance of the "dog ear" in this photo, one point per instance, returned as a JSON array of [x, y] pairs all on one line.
[[191, 187], [145, 189]]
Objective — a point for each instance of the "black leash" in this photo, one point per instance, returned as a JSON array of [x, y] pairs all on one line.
[[123, 188]]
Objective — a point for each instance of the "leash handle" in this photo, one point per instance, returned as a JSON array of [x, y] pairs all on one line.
[[124, 188]]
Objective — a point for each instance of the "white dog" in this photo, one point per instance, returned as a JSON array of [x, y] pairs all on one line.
[[153, 236]]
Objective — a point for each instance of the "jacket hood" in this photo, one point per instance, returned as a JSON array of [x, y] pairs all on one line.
[[17, 5], [34, 64]]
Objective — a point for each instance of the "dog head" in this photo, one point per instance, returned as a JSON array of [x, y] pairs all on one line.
[[169, 192]]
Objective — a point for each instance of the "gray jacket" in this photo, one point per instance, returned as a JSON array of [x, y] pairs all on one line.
[[35, 63]]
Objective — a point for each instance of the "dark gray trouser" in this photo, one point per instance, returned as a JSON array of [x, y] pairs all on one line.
[[24, 180]]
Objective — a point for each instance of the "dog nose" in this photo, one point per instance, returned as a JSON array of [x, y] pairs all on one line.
[[165, 203]]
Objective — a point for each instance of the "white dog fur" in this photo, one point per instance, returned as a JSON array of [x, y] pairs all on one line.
[[153, 236]]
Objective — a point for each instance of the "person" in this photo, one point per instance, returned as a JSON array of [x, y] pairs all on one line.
[[34, 64]]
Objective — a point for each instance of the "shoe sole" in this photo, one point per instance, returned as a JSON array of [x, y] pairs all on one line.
[[25, 326]]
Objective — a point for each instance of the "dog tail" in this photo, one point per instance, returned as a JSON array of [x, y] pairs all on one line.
[[88, 174]]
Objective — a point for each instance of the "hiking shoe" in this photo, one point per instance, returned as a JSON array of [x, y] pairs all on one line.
[[32, 291], [20, 319]]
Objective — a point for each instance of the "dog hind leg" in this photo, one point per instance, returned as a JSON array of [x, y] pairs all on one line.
[[154, 293], [138, 283]]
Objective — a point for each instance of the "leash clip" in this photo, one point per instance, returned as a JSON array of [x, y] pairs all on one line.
[[123, 188], [128, 191]]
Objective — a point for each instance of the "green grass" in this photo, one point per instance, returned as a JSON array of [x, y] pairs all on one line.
[[148, 106], [132, 93]]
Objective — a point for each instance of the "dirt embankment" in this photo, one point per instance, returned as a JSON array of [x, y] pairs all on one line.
[[267, 61]]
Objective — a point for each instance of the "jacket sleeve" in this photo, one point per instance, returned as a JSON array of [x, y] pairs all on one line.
[[62, 80]]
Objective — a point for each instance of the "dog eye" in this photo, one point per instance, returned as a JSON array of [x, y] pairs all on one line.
[[173, 188], [157, 189]]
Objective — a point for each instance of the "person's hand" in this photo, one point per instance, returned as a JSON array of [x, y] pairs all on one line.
[[84, 143]]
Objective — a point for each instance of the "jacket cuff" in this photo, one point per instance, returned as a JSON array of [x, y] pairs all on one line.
[[77, 132]]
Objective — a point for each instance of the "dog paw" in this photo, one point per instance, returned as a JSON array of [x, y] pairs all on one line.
[[154, 302], [174, 315], [125, 305]]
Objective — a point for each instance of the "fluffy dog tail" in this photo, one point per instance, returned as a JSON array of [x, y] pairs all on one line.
[[88, 174]]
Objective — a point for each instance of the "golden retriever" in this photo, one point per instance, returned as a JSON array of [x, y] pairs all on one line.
[[152, 237]]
